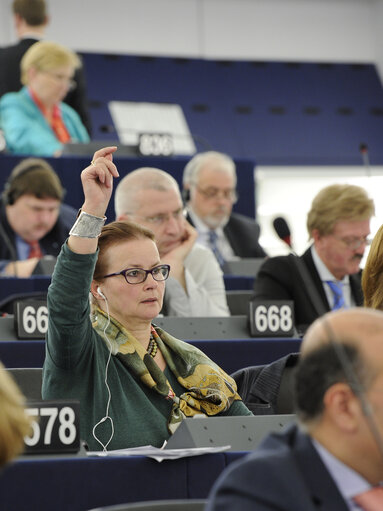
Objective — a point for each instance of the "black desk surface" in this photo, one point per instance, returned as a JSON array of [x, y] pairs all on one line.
[[80, 483]]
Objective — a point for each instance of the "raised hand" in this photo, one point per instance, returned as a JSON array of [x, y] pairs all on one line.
[[97, 181]]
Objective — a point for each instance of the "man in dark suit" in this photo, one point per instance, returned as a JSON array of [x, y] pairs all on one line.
[[33, 220], [209, 182], [327, 275], [332, 458], [30, 18]]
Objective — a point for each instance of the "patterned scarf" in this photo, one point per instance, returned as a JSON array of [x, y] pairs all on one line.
[[209, 390]]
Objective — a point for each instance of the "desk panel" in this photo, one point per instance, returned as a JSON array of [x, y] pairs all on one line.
[[79, 484], [230, 355]]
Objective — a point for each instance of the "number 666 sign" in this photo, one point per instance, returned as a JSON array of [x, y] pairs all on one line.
[[271, 318]]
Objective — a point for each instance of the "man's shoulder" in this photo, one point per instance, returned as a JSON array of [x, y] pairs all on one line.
[[274, 455], [242, 220], [276, 262], [199, 250]]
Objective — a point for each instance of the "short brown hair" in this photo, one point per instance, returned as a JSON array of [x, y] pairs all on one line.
[[34, 12], [14, 422], [33, 176], [372, 276], [113, 234], [338, 202]]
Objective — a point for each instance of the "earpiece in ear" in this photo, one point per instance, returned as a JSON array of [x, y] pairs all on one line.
[[185, 195], [99, 291]]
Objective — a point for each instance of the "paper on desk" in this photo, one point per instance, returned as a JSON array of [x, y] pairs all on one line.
[[160, 454]]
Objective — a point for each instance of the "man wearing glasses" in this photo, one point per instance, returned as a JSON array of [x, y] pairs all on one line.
[[328, 273], [195, 287], [209, 182]]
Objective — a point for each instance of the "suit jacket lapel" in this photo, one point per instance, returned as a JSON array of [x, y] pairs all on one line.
[[356, 289], [324, 492], [309, 262]]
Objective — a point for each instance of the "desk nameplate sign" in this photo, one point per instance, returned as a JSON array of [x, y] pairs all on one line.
[[31, 318], [155, 144], [55, 428], [271, 318]]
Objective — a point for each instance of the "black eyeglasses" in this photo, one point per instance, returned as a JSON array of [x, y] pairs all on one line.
[[139, 275]]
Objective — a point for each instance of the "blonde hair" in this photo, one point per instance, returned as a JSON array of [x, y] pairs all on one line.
[[338, 202], [372, 276], [47, 56], [14, 422]]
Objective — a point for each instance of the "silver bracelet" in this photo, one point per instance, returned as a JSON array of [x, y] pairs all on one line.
[[87, 226]]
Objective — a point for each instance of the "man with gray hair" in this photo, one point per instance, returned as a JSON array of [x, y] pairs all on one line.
[[151, 197], [209, 182]]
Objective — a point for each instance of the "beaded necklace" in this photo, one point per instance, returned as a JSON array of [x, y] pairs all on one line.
[[152, 347]]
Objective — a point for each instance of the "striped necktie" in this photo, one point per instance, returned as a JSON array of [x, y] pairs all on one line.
[[337, 290], [213, 238]]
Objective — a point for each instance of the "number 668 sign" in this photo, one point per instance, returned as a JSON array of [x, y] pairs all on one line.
[[271, 318]]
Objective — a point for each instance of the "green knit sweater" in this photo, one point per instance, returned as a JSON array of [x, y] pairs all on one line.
[[75, 364]]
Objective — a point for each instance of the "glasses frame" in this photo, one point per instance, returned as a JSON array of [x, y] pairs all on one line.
[[231, 195], [354, 244], [71, 84], [123, 272], [178, 215]]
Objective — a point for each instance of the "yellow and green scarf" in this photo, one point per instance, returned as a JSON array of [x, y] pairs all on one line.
[[209, 390]]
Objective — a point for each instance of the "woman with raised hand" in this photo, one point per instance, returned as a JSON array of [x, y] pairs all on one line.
[[135, 382]]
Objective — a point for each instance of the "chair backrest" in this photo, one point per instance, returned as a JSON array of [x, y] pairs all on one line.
[[238, 301], [7, 305], [29, 379], [247, 266], [159, 505]]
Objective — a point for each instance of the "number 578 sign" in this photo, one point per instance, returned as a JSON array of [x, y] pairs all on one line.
[[271, 318]]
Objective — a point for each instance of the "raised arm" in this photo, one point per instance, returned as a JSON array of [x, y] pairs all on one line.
[[97, 183]]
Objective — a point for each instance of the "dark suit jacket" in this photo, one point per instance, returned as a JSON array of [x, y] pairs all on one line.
[[10, 58], [50, 244], [242, 232], [268, 389], [279, 279], [284, 474]]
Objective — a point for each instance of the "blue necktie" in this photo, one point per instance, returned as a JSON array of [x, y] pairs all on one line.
[[336, 288], [213, 237]]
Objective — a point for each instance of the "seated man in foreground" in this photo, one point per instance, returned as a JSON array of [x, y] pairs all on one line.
[[327, 276], [33, 220], [334, 462], [151, 197]]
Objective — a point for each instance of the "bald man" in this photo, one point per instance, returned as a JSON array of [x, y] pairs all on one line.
[[332, 460], [195, 287]]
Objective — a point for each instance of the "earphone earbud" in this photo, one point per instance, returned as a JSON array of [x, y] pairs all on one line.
[[99, 291]]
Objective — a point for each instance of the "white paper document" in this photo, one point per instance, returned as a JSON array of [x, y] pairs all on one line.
[[160, 454]]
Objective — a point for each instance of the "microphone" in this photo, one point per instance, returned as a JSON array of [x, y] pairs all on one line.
[[283, 230], [363, 148]]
